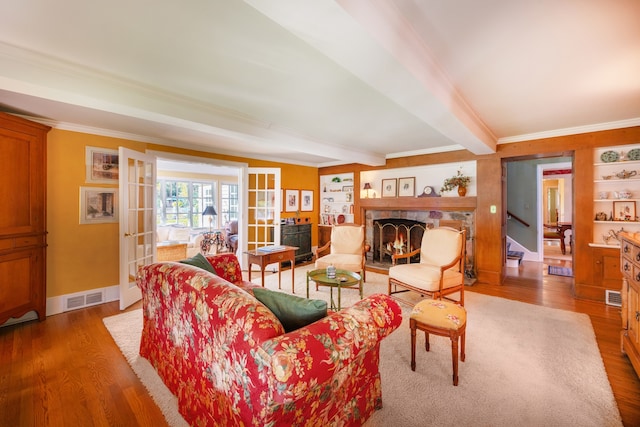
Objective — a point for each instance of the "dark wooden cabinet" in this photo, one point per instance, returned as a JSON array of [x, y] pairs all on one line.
[[23, 222], [298, 235]]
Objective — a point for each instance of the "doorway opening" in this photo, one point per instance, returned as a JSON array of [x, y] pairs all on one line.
[[539, 200], [222, 175], [555, 232]]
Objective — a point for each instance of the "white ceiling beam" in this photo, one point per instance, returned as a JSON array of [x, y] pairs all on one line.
[[53, 81], [370, 39]]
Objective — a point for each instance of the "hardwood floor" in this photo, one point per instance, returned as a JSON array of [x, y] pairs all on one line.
[[67, 371]]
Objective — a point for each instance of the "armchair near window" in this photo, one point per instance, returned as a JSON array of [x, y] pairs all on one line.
[[440, 271], [344, 250], [231, 235]]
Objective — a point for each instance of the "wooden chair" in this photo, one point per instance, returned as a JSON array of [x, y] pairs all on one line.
[[558, 232], [344, 250], [440, 271]]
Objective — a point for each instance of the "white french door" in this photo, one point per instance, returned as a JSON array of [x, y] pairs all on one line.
[[263, 207], [137, 220]]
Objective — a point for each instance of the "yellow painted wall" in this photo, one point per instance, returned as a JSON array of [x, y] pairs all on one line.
[[299, 178], [82, 257]]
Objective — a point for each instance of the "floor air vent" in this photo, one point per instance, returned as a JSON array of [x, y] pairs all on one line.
[[613, 298], [83, 300], [94, 298]]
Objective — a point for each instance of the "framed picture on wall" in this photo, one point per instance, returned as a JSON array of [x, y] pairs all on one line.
[[291, 200], [306, 200], [98, 205], [389, 187], [102, 165]]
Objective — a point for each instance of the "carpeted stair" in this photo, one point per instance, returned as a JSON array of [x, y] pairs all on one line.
[[514, 258]]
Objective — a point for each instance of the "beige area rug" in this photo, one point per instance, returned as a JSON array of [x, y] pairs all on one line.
[[526, 365]]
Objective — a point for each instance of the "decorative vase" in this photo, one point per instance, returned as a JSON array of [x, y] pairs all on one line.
[[462, 191]]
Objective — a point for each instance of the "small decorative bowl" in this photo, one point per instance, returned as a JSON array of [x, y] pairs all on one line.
[[603, 194], [624, 194]]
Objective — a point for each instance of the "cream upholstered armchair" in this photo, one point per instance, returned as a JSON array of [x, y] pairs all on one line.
[[440, 271], [344, 250]]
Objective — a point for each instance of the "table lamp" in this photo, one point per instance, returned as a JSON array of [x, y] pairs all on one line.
[[210, 212], [367, 187]]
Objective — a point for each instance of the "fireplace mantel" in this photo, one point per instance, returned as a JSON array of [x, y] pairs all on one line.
[[420, 203]]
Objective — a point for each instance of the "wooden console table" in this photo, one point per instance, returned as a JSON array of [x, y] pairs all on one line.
[[264, 257]]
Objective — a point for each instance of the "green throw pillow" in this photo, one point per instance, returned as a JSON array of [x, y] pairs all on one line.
[[198, 260], [292, 311]]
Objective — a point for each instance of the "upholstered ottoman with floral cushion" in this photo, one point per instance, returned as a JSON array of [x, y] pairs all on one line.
[[228, 360], [443, 318]]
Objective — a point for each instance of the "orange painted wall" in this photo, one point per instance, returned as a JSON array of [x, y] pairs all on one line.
[[82, 257]]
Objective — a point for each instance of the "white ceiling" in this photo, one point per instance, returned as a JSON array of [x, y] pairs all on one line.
[[323, 82]]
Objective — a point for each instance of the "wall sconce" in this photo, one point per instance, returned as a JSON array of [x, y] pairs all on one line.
[[210, 212], [367, 187]]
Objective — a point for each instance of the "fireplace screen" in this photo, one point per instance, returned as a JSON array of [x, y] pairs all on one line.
[[396, 236]]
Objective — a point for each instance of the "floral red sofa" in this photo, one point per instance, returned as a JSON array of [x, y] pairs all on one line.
[[229, 362]]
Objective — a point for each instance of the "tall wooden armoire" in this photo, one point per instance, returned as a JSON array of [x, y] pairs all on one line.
[[23, 235]]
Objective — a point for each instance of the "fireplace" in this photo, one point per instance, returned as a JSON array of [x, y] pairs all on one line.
[[396, 236], [398, 225]]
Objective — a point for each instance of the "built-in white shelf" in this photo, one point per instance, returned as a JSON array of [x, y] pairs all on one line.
[[606, 181]]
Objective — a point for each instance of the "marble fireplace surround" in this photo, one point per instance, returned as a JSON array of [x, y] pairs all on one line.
[[429, 210]]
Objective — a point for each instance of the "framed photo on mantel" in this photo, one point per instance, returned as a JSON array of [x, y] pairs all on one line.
[[389, 187], [406, 187]]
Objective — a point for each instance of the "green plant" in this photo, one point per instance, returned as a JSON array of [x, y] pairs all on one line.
[[458, 180]]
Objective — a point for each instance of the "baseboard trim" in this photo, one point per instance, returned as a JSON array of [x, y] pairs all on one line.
[[56, 305]]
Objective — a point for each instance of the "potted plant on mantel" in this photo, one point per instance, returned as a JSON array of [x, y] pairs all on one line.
[[459, 180]]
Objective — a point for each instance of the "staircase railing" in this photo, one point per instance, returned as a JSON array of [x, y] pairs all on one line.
[[520, 220]]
